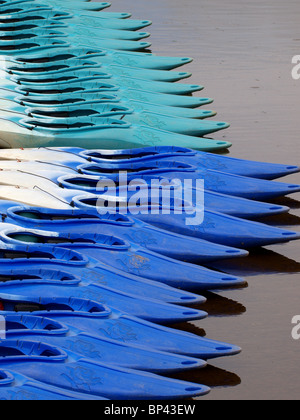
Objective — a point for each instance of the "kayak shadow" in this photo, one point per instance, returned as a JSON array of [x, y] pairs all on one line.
[[221, 306], [260, 261], [210, 376], [216, 305], [287, 201], [281, 220]]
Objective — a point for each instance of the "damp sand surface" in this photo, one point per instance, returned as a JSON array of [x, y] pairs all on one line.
[[242, 54]]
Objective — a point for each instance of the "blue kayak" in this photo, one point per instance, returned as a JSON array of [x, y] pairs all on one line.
[[17, 387], [214, 227], [68, 370], [69, 265], [106, 350], [122, 256], [198, 159], [195, 158], [127, 228], [95, 319], [61, 175], [217, 181], [149, 309], [214, 201]]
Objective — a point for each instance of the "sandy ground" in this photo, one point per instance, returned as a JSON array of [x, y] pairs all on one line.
[[242, 54]]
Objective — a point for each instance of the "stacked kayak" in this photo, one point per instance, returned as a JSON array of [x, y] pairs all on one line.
[[96, 267], [72, 75]]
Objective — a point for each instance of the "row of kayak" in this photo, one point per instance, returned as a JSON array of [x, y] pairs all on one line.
[[95, 274], [62, 181], [128, 279], [88, 302], [73, 76]]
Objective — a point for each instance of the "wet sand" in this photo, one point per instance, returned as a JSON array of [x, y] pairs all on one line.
[[242, 55]]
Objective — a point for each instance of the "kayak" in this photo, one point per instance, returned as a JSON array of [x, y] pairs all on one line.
[[214, 181], [128, 59], [89, 79], [109, 93], [90, 270], [217, 181], [100, 321], [63, 270], [68, 370], [216, 227], [253, 169], [149, 309], [64, 29], [127, 228], [90, 19], [49, 176], [180, 125], [70, 58], [106, 133], [214, 201], [249, 168], [112, 352], [73, 5], [17, 387], [58, 68], [90, 88], [164, 94], [74, 40], [101, 102], [122, 256]]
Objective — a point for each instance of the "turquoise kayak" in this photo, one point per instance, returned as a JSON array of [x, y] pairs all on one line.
[[15, 46], [116, 93], [62, 29], [89, 79], [104, 99], [68, 5], [76, 62], [128, 59], [185, 126], [86, 18], [98, 133]]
